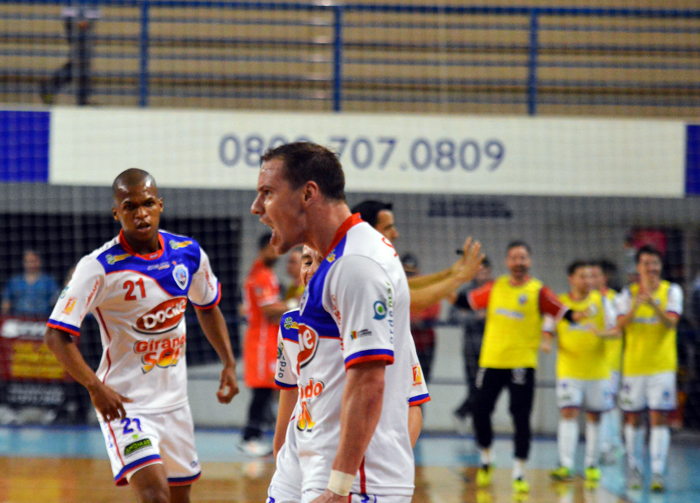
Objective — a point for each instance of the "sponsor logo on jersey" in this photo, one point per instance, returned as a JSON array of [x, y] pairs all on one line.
[[646, 320], [181, 275], [334, 308], [159, 267], [289, 323], [162, 318], [163, 353], [379, 310], [417, 375], [63, 293], [522, 299], [176, 245], [92, 294], [362, 333], [70, 304], [306, 393], [308, 344], [131, 448], [331, 257], [516, 315], [113, 259]]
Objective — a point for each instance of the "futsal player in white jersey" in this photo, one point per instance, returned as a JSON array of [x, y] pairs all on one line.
[[354, 336], [137, 285], [285, 486]]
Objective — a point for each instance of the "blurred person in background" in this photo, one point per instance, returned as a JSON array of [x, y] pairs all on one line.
[[422, 322], [263, 308], [31, 293], [79, 23], [583, 372], [474, 324], [426, 289], [293, 268], [610, 422], [648, 312], [515, 305]]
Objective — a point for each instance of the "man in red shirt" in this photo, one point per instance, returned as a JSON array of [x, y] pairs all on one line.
[[263, 310]]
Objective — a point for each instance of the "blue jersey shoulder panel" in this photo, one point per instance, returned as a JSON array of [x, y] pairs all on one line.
[[289, 325]]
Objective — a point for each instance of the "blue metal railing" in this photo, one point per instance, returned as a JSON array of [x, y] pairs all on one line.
[[343, 86]]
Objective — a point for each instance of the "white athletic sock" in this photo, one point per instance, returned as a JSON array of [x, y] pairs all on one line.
[[485, 456], [592, 432], [567, 438], [659, 441], [633, 436], [518, 468], [606, 434], [615, 416]]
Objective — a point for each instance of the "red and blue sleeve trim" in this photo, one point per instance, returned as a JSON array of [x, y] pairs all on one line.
[[183, 481], [65, 327], [417, 400], [369, 355], [285, 385], [120, 478], [212, 303]]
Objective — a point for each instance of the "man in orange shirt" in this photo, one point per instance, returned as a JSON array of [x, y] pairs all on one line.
[[263, 310]]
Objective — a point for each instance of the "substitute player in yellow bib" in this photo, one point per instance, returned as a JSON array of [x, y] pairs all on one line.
[[583, 372], [514, 307], [611, 421], [649, 312]]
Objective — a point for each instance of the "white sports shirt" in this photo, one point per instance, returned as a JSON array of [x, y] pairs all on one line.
[[356, 309], [139, 302]]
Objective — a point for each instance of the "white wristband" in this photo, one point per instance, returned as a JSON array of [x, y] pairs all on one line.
[[340, 483]]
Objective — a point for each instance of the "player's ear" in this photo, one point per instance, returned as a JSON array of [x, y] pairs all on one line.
[[160, 204], [114, 213], [311, 192]]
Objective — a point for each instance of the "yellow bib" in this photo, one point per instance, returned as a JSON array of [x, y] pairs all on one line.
[[513, 325], [581, 354], [650, 347], [613, 350]]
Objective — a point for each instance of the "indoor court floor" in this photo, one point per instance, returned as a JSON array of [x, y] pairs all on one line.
[[69, 465]]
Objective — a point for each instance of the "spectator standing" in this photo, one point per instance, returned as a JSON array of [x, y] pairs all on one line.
[[31, 293]]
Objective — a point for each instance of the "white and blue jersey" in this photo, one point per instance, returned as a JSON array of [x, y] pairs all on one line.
[[285, 485], [356, 309], [139, 302]]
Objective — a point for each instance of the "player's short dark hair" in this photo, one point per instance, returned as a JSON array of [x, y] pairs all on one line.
[[647, 250], [486, 262], [130, 178], [576, 265], [369, 210], [518, 243], [264, 240], [308, 162]]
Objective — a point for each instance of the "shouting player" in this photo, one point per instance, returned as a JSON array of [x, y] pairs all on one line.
[[354, 337], [137, 285], [285, 486]]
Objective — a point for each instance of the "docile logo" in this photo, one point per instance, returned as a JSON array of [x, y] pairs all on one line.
[[308, 344], [159, 353], [162, 318]]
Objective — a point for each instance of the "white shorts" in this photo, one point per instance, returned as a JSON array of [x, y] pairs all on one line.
[[615, 377], [311, 494], [592, 396], [145, 439], [654, 392], [285, 486]]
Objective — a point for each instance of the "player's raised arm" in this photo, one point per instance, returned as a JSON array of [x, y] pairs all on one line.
[[108, 402]]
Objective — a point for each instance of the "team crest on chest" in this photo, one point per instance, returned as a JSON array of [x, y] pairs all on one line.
[[181, 276]]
